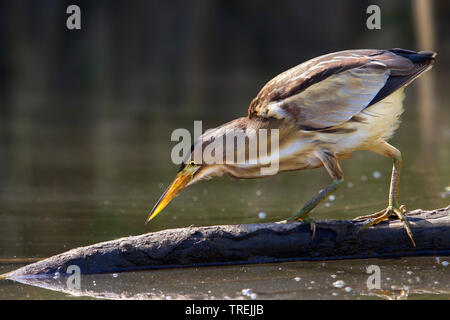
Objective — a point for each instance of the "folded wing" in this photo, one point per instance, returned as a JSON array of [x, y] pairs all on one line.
[[331, 89]]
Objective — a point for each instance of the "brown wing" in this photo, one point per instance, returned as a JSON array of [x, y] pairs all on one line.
[[331, 89]]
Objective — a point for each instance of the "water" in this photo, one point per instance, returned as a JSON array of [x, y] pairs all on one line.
[[74, 183], [412, 278]]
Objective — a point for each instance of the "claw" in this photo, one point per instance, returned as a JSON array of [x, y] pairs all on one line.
[[370, 216], [305, 219], [312, 225], [371, 223], [384, 215], [400, 214], [402, 208], [377, 218]]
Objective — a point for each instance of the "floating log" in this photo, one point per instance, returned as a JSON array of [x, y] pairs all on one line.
[[253, 243]]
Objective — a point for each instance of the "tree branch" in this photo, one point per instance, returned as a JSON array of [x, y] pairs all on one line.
[[254, 243]]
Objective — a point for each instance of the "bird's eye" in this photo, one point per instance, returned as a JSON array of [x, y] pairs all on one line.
[[192, 163]]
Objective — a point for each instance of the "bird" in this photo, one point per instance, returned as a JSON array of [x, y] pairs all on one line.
[[323, 110]]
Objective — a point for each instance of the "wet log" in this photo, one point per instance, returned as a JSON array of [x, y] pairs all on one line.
[[253, 243]]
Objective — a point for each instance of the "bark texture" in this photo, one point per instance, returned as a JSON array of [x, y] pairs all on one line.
[[254, 243]]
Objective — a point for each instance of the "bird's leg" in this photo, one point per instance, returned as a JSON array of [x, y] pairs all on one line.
[[331, 164], [393, 209]]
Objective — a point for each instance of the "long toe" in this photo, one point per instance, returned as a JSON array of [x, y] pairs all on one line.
[[400, 214], [383, 215], [377, 219], [312, 225], [371, 216]]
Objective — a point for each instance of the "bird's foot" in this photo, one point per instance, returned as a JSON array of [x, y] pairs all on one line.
[[312, 225], [385, 214], [303, 218]]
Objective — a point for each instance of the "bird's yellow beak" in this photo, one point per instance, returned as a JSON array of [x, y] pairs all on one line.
[[179, 183]]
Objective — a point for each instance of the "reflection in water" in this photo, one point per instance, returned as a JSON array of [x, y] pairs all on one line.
[[412, 278]]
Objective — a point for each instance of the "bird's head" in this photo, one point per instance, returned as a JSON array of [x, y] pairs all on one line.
[[190, 172], [212, 154]]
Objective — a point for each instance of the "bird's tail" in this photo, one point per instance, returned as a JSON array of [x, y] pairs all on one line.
[[403, 72], [421, 57]]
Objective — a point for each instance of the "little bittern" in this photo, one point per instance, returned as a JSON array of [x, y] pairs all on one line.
[[324, 109]]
